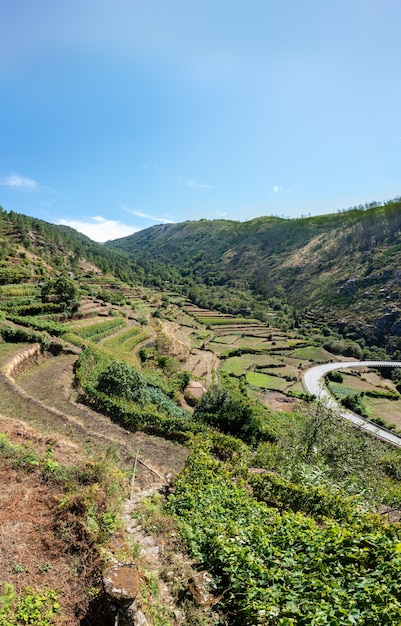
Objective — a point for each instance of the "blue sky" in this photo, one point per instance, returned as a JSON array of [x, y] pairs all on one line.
[[120, 114]]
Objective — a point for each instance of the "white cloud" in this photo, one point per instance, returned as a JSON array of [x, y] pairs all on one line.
[[279, 189], [15, 181], [190, 182], [101, 229], [146, 216]]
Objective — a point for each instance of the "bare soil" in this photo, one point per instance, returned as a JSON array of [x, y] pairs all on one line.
[[31, 550], [31, 553], [203, 364], [277, 401], [51, 382]]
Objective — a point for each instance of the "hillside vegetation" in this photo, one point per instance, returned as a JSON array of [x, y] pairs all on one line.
[[341, 267], [177, 439]]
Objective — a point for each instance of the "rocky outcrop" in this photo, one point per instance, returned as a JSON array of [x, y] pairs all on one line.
[[387, 323], [121, 586]]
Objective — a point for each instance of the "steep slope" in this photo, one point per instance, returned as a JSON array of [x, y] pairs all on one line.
[[343, 265], [31, 248]]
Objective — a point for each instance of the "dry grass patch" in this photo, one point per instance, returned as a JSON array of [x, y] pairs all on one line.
[[388, 410], [31, 552]]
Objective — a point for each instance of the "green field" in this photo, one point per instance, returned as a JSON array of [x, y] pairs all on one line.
[[265, 381], [228, 321], [313, 353], [238, 365], [226, 339]]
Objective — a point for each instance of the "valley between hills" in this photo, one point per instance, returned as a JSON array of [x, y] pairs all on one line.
[[155, 429]]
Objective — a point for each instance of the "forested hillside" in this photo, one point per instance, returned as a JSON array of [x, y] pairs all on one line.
[[31, 248], [342, 267]]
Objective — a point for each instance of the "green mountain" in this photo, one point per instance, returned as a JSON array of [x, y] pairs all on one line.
[[342, 267], [31, 249]]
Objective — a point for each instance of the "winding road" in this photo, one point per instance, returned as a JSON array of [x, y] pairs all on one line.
[[312, 380]]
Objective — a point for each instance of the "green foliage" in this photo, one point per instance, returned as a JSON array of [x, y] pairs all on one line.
[[315, 500], [232, 415], [64, 291], [354, 402], [114, 297], [22, 335], [17, 274], [121, 379], [19, 456], [29, 607], [123, 345], [346, 347], [36, 308], [284, 568], [335, 376], [319, 448], [14, 291], [98, 331], [122, 391], [53, 328]]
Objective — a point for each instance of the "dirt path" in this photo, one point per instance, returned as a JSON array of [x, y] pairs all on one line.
[[44, 396], [46, 402]]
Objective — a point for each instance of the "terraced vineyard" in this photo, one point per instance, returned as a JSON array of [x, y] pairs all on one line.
[[150, 340]]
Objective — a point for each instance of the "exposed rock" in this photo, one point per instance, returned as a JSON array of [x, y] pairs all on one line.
[[349, 288], [121, 585], [383, 324], [196, 389], [179, 617], [140, 619], [396, 328], [199, 586]]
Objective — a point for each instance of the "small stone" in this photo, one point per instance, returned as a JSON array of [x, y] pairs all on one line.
[[140, 619], [152, 553], [199, 586], [179, 616]]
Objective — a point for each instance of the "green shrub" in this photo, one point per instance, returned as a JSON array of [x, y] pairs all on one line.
[[121, 379], [220, 409], [27, 607], [285, 568], [335, 376], [354, 402]]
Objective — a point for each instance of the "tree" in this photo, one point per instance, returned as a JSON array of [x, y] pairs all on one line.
[[123, 380], [221, 409], [63, 290]]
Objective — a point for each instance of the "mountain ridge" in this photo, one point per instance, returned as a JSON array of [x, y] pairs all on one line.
[[343, 264]]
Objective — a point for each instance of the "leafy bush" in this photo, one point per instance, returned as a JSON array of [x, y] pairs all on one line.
[[29, 607], [335, 376], [315, 500], [354, 402], [285, 569], [54, 328], [343, 346], [121, 379], [22, 335], [64, 291], [220, 409]]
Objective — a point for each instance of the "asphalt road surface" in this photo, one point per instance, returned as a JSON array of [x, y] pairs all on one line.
[[314, 385]]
